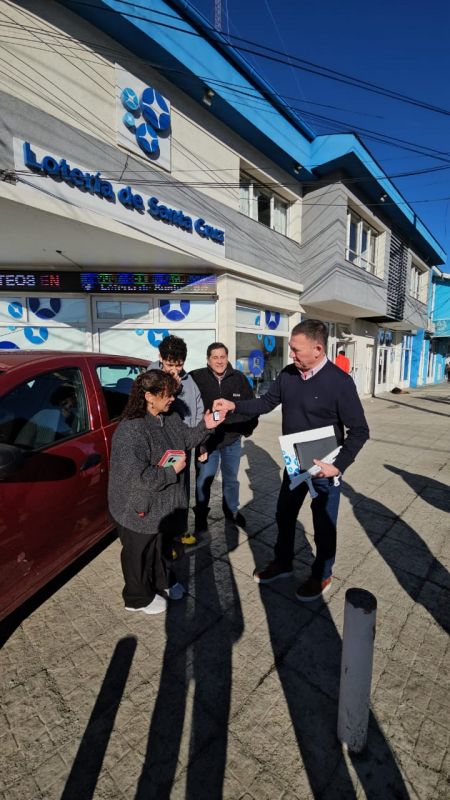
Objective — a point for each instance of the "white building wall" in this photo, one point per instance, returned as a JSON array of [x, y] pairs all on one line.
[[66, 67]]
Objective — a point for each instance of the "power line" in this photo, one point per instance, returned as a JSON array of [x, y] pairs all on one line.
[[382, 203], [372, 135], [302, 64]]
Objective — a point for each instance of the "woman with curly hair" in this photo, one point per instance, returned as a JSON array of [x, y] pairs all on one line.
[[147, 500]]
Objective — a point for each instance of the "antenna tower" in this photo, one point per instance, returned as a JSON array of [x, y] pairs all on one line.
[[218, 15]]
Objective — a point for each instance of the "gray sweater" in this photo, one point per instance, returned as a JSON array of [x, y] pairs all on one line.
[[142, 496], [188, 402]]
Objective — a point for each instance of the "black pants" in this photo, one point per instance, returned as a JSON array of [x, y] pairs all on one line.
[[145, 563], [324, 511]]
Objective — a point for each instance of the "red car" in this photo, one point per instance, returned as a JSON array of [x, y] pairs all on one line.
[[58, 412]]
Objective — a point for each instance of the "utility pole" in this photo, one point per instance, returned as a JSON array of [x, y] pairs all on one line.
[[218, 15]]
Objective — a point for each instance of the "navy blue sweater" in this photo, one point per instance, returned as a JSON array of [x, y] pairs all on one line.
[[328, 398]]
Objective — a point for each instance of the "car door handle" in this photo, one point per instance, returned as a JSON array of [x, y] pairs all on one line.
[[92, 460]]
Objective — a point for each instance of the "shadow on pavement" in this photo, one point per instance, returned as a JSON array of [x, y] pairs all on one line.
[[410, 405], [201, 630], [307, 653], [435, 493], [433, 399], [83, 776], [415, 567]]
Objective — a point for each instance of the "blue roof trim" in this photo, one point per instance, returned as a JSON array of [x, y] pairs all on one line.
[[205, 65], [281, 136]]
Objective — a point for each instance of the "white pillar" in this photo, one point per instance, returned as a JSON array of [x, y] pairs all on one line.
[[356, 668]]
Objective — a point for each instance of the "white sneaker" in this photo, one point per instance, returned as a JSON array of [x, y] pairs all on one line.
[[176, 591], [157, 606]]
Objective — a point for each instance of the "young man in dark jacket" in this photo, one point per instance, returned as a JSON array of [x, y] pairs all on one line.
[[313, 393], [219, 380]]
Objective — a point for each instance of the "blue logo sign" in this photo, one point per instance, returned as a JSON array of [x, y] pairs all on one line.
[[146, 117], [175, 314], [36, 338], [269, 343], [272, 324], [130, 100], [61, 170], [15, 310], [256, 363], [45, 311], [147, 138], [155, 337], [155, 109], [9, 346]]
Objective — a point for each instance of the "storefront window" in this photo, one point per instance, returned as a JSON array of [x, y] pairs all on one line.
[[260, 358], [144, 342], [190, 310], [114, 309], [248, 317]]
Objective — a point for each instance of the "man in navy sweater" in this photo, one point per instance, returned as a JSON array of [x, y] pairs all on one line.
[[313, 393]]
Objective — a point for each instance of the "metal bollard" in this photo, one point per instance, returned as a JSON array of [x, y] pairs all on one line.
[[356, 668]]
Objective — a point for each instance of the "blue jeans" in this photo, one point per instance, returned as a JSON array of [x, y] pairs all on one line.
[[229, 458], [324, 511]]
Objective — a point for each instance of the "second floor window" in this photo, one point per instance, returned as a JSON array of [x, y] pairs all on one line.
[[417, 285], [361, 245], [261, 204]]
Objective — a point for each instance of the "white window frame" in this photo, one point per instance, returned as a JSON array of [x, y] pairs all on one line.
[[356, 256], [417, 282], [250, 201]]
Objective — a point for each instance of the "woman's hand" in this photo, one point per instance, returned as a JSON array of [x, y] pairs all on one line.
[[209, 420], [180, 464]]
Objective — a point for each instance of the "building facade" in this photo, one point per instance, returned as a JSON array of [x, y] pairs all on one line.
[[430, 347], [153, 183]]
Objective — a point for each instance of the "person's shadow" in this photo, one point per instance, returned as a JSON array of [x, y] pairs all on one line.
[[201, 630], [434, 492], [307, 654], [415, 567]]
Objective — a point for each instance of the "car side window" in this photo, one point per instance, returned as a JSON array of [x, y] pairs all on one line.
[[116, 381], [44, 410]]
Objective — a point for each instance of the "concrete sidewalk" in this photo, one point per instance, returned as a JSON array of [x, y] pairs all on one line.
[[234, 693]]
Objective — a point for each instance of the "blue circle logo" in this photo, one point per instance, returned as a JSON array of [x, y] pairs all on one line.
[[147, 138], [129, 99], [155, 109], [269, 343], [15, 310], [256, 363], [146, 117], [175, 314], [9, 346], [129, 120], [155, 337], [36, 338], [272, 324], [45, 311]]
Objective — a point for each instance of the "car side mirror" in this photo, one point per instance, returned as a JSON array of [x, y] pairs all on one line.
[[11, 460]]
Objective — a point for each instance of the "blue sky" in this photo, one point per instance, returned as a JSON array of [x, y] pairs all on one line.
[[398, 45]]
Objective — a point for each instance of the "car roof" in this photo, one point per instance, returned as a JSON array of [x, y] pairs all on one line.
[[11, 359]]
